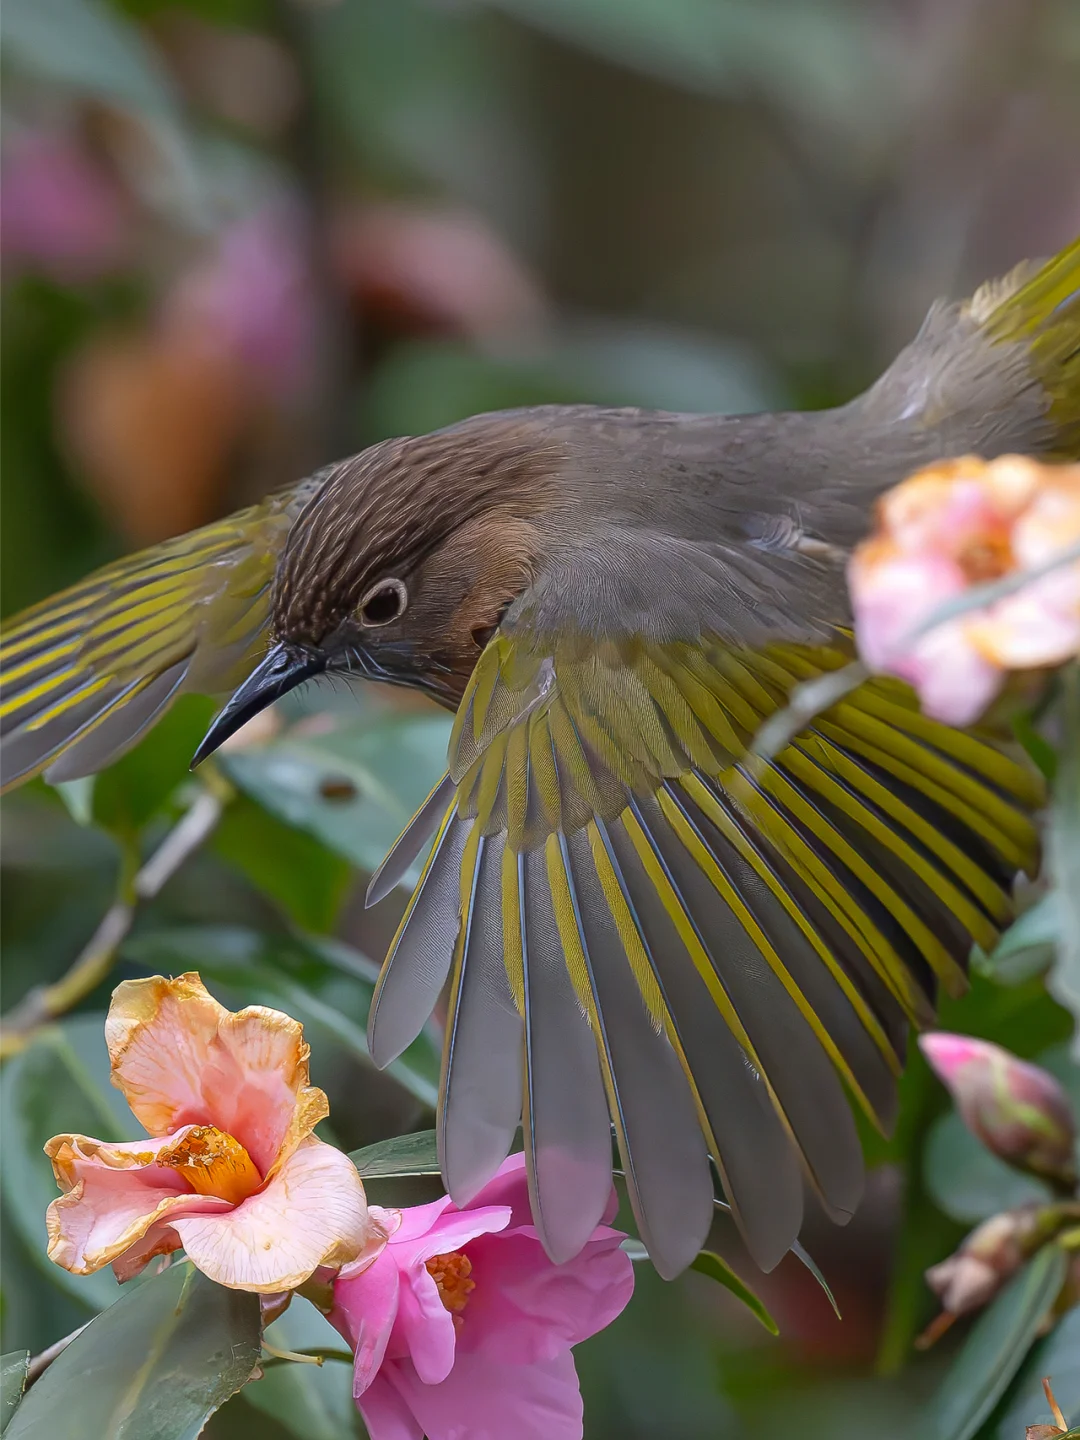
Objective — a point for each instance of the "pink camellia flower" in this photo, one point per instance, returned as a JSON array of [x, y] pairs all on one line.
[[231, 1170], [1018, 1111], [462, 1326], [958, 524]]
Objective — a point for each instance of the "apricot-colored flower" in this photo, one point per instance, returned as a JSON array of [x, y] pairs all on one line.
[[953, 526], [231, 1172]]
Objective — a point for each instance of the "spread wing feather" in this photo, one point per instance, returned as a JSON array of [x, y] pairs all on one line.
[[703, 950], [88, 671]]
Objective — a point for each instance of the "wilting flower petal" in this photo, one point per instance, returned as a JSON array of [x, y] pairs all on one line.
[[182, 1058], [313, 1212], [232, 1171], [114, 1194]]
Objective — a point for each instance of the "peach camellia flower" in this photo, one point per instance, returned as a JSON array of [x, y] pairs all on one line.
[[462, 1326], [231, 1170], [958, 524]]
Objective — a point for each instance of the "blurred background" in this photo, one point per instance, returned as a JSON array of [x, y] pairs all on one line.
[[242, 238]]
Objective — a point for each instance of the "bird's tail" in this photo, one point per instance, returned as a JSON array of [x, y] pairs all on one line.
[[997, 373]]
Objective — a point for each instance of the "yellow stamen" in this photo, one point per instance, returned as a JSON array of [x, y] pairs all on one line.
[[213, 1163], [451, 1274]]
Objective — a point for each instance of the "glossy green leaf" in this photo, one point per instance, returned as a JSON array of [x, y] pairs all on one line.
[[1064, 851], [154, 1366], [965, 1180], [1028, 946], [59, 1084], [296, 872], [709, 1263], [1056, 1356], [355, 786], [13, 1367], [128, 795], [324, 984], [315, 1402], [810, 55], [415, 1154], [995, 1349]]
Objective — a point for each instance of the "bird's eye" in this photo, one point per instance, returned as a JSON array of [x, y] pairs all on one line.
[[382, 603]]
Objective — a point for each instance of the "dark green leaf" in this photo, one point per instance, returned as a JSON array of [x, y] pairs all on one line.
[[1064, 848], [710, 1264], [299, 874], [414, 1154], [1028, 946], [154, 1366], [355, 787], [59, 1084], [315, 1402], [965, 1180], [995, 1349], [13, 1369], [812, 56], [130, 793], [322, 983], [1056, 1356]]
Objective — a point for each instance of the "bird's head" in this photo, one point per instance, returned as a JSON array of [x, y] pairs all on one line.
[[402, 565]]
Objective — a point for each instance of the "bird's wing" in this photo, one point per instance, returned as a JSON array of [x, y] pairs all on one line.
[[637, 920], [87, 671]]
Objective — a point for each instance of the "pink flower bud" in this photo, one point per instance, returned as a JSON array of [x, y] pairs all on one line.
[[1018, 1111]]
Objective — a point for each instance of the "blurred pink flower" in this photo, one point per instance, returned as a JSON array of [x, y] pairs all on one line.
[[953, 526], [230, 1170], [1018, 1111], [254, 296], [462, 1326], [59, 213]]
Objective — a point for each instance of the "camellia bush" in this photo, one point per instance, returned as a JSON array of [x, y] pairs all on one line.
[[162, 1159]]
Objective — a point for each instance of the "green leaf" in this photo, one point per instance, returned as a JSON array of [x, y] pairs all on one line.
[[13, 1368], [294, 870], [1056, 1356], [1064, 852], [59, 1084], [965, 1180], [355, 787], [315, 1402], [709, 1263], [154, 1366], [1029, 945], [415, 1154], [811, 56], [324, 984], [995, 1349], [129, 794]]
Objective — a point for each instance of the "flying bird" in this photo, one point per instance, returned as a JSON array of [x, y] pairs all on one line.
[[639, 929]]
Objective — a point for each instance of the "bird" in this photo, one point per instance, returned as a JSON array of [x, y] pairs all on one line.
[[659, 956]]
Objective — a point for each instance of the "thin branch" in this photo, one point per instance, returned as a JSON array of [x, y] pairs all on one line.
[[98, 957]]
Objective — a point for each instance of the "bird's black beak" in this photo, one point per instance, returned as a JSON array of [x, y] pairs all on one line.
[[281, 671]]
